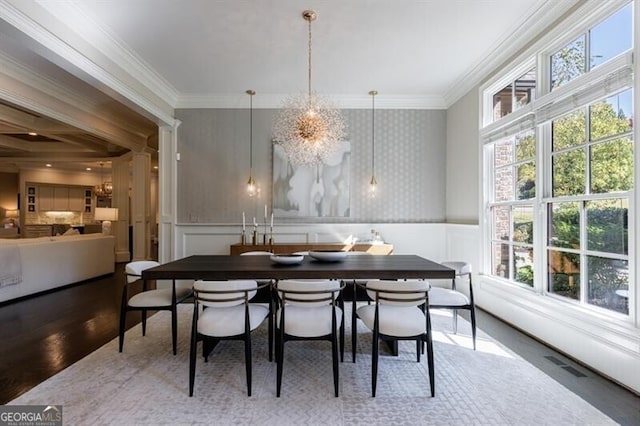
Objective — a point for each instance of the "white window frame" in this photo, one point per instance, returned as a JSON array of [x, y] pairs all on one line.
[[601, 81]]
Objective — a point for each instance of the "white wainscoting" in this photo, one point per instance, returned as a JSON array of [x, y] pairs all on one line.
[[424, 239]]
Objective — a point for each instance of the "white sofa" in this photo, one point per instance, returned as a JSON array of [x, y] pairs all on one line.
[[50, 262]]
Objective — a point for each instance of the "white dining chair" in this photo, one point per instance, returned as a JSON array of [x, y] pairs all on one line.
[[150, 300], [399, 312], [453, 298], [308, 310], [222, 312]]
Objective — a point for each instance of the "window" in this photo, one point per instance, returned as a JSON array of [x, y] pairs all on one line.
[[592, 166], [512, 209], [515, 95], [559, 177], [601, 43]]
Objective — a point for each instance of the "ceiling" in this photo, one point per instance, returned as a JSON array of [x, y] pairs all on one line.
[[421, 53]]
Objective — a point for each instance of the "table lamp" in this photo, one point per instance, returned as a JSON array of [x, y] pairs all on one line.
[[106, 215], [12, 216]]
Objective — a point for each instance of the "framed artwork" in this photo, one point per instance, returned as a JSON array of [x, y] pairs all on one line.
[[312, 191], [31, 190], [32, 208]]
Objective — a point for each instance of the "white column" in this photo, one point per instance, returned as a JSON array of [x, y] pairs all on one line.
[[140, 201], [120, 200], [168, 198]]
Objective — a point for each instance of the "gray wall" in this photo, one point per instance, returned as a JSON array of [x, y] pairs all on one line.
[[463, 150], [214, 165]]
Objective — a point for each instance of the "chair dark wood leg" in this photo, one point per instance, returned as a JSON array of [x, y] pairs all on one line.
[[432, 380], [192, 354], [354, 324], [342, 338], [334, 353], [144, 322], [270, 325], [473, 326], [247, 361], [174, 329], [123, 322], [279, 360], [419, 348], [374, 363]]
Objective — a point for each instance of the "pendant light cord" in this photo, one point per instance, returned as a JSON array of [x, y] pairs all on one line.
[[373, 134], [309, 62], [251, 135]]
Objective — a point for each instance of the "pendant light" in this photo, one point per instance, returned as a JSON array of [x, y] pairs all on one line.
[[252, 188], [308, 127]]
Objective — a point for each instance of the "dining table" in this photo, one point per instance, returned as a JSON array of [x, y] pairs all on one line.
[[349, 268], [227, 267]]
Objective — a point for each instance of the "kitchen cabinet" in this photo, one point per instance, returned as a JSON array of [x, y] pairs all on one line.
[[45, 198], [76, 199], [61, 198]]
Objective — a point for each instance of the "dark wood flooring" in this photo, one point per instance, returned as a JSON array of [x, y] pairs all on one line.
[[44, 334]]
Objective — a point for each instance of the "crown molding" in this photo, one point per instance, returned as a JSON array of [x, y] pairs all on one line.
[[21, 19], [275, 101], [539, 17]]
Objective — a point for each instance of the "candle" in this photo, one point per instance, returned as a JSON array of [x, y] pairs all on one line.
[[265, 213], [254, 222], [272, 221], [243, 224]]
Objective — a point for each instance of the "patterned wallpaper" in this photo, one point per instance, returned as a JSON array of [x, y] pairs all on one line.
[[410, 165]]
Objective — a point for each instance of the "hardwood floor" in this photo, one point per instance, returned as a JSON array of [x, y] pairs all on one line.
[[44, 334]]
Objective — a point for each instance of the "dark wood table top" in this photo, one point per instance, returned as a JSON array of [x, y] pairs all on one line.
[[220, 267]]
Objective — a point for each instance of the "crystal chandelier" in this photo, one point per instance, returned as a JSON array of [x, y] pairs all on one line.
[[252, 188], [105, 189], [373, 184], [308, 127]]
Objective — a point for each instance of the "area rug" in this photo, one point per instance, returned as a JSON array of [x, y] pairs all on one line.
[[146, 384]]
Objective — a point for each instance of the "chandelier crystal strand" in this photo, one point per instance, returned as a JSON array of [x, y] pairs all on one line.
[[308, 128], [251, 183]]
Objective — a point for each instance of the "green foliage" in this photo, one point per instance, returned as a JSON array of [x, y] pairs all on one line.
[[524, 275], [568, 63]]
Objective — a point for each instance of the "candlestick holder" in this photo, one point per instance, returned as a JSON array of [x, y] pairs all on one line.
[[254, 237], [271, 241], [243, 238]]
